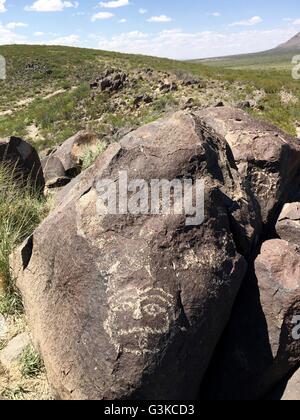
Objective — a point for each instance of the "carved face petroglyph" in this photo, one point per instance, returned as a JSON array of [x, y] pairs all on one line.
[[138, 319]]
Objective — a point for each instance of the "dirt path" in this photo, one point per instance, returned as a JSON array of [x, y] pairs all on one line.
[[25, 102]]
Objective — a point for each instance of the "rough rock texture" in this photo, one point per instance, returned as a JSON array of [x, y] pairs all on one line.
[[133, 306], [24, 160], [14, 349], [288, 225], [259, 347], [292, 390], [71, 152], [53, 170], [267, 158], [111, 81], [288, 389]]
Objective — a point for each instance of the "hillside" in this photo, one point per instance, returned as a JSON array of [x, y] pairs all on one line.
[[291, 44], [47, 95], [279, 58]]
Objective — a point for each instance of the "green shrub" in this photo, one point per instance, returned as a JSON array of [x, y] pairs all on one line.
[[91, 155], [31, 364]]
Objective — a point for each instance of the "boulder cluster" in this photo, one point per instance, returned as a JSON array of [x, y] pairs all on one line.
[[143, 306]]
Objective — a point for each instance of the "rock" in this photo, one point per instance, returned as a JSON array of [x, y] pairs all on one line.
[[244, 105], [52, 168], [287, 390], [187, 103], [147, 99], [288, 225], [122, 132], [112, 81], [267, 158], [56, 184], [261, 344], [168, 86], [131, 307], [3, 327], [71, 154], [24, 161], [292, 390], [14, 349]]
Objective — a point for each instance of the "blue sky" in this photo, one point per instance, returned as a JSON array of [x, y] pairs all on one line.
[[169, 28]]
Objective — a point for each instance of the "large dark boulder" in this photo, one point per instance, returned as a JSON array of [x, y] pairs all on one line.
[[24, 162], [261, 344], [132, 306], [268, 159]]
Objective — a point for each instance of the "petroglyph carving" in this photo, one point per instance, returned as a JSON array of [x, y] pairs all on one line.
[[138, 319], [265, 183]]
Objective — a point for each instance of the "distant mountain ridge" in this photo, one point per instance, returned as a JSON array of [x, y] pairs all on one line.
[[291, 44], [279, 56]]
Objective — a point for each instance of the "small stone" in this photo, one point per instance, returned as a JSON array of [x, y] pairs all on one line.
[[14, 349]]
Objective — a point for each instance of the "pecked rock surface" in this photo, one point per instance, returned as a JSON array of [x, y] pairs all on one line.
[[261, 345], [267, 158], [132, 307]]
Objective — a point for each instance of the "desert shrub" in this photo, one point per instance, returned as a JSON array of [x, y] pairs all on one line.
[[91, 154]]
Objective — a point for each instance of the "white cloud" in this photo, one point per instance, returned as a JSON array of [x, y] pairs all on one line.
[[7, 36], [173, 43], [51, 6], [2, 6], [114, 4], [69, 40], [293, 21], [143, 11], [249, 22], [160, 19], [39, 34], [123, 21], [215, 14], [102, 16], [14, 25]]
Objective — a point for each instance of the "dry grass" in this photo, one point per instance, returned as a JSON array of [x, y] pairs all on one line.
[[21, 210]]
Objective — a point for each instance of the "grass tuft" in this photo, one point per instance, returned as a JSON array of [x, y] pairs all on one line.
[[31, 364], [91, 155], [21, 210]]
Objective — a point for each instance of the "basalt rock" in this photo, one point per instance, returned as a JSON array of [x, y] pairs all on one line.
[[292, 389], [132, 306], [64, 163], [261, 343], [288, 225], [267, 158], [112, 81], [24, 162]]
